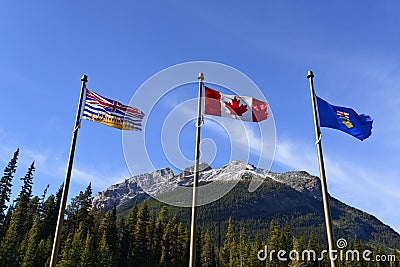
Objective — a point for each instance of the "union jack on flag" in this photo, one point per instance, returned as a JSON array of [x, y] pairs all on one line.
[[111, 112]]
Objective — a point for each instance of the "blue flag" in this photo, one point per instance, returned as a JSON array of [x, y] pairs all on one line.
[[344, 119]]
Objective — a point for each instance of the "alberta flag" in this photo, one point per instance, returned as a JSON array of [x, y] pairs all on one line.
[[344, 119], [112, 113], [236, 107]]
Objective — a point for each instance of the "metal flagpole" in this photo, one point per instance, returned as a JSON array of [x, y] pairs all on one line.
[[325, 199], [57, 237], [192, 259]]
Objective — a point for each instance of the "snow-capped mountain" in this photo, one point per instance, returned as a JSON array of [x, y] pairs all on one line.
[[164, 180]]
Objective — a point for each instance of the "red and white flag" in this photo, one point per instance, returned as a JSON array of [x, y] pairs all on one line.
[[236, 107]]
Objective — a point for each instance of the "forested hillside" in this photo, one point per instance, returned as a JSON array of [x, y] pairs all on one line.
[[232, 230]]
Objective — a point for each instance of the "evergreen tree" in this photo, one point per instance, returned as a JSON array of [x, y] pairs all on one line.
[[122, 244], [27, 182], [43, 252], [71, 253], [31, 213], [49, 215], [286, 239], [357, 262], [141, 250], [151, 232], [161, 223], [9, 247], [273, 244], [383, 261], [7, 221], [130, 233], [108, 228], [255, 248], [227, 254], [312, 246], [183, 245], [208, 258], [88, 255], [31, 258], [243, 249], [168, 245], [298, 247], [5, 189], [396, 262], [199, 245], [79, 211], [105, 258], [24, 210]]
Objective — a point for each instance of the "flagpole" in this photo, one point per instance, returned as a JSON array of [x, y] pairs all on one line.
[[192, 259], [325, 196], [57, 237]]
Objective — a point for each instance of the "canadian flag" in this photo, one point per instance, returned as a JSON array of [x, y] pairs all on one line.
[[236, 107]]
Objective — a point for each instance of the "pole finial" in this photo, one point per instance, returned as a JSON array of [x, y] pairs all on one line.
[[84, 78], [310, 74], [201, 76]]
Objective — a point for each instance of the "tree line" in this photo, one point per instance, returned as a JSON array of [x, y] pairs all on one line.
[[92, 237]]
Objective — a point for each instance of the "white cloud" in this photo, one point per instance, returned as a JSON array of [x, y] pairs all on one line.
[[375, 192], [28, 155], [99, 181], [297, 156]]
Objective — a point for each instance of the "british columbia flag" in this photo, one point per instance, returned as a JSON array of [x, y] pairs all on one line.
[[111, 112]]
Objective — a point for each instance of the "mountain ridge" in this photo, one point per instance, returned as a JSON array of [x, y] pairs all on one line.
[[163, 178], [293, 197]]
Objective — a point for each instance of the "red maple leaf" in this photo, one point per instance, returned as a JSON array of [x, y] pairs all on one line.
[[234, 107]]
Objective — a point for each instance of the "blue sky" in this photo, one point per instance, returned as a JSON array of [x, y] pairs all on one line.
[[352, 47]]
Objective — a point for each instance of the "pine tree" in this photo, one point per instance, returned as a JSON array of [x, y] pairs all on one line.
[[313, 247], [273, 244], [382, 263], [286, 239], [43, 253], [243, 249], [49, 215], [168, 244], [254, 260], [161, 223], [356, 245], [299, 248], [141, 250], [5, 189], [7, 221], [227, 254], [208, 252], [31, 258], [71, 252], [88, 256], [108, 227], [122, 244], [183, 245], [104, 256], [151, 232], [199, 245], [31, 214], [24, 210], [22, 217], [130, 233], [396, 262], [79, 211], [9, 247]]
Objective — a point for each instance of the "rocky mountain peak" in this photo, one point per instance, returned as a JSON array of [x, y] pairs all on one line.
[[163, 180]]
